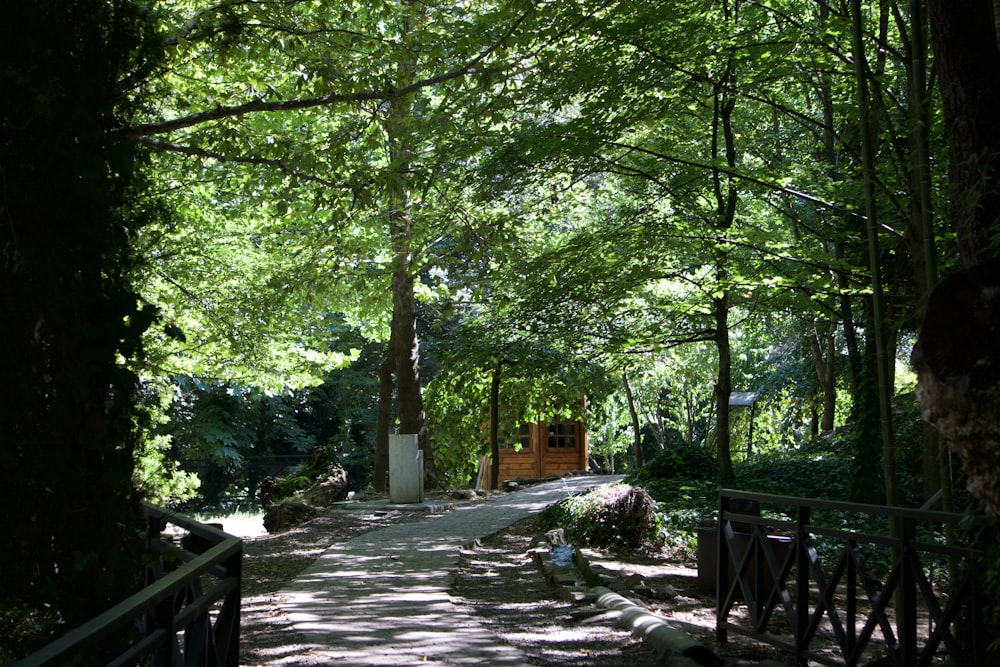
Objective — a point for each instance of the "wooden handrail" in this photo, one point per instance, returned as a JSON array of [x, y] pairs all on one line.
[[174, 588], [843, 593]]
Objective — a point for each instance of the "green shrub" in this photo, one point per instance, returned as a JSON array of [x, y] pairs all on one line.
[[678, 461], [614, 516], [806, 476]]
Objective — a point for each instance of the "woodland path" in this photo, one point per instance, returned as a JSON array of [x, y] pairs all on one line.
[[382, 598]]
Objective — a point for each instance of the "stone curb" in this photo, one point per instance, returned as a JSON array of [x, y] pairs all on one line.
[[579, 583]]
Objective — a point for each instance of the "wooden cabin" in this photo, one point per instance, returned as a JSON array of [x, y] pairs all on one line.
[[545, 449]]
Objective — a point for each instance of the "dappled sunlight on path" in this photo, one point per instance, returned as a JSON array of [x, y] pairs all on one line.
[[382, 598]]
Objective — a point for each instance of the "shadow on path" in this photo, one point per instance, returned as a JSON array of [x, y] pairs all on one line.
[[382, 597]]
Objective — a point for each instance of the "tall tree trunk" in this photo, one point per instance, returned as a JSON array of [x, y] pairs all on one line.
[[882, 347], [409, 396], [634, 415], [726, 196], [920, 235], [956, 354], [406, 345], [967, 60]]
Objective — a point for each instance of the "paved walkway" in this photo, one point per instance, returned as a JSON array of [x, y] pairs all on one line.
[[382, 597]]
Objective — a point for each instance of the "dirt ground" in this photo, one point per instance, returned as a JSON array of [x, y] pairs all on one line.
[[499, 581]]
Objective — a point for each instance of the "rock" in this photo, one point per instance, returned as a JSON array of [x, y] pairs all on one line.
[[282, 516], [634, 580], [667, 592]]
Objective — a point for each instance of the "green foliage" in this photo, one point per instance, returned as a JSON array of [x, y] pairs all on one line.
[[537, 384], [684, 504], [806, 474], [229, 435], [457, 406], [678, 461], [299, 480], [157, 476], [615, 516], [610, 433]]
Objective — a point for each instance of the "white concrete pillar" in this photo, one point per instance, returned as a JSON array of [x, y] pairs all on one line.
[[406, 469]]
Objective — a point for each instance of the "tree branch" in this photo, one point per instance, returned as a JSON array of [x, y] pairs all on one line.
[[752, 179], [277, 164], [258, 105]]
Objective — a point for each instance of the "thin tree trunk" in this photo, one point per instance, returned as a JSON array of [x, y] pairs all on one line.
[[855, 355], [636, 432], [921, 234], [822, 346], [723, 388], [689, 413], [495, 427], [878, 305]]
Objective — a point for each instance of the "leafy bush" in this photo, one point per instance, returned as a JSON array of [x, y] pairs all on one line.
[[807, 476], [613, 516], [678, 461], [683, 505]]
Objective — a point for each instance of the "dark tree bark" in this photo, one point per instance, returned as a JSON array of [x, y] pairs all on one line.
[[967, 60], [956, 356], [958, 364]]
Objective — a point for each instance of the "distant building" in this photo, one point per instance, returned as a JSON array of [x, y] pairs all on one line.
[[545, 449]]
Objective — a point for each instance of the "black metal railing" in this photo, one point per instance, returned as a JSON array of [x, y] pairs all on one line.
[[799, 577], [188, 612]]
